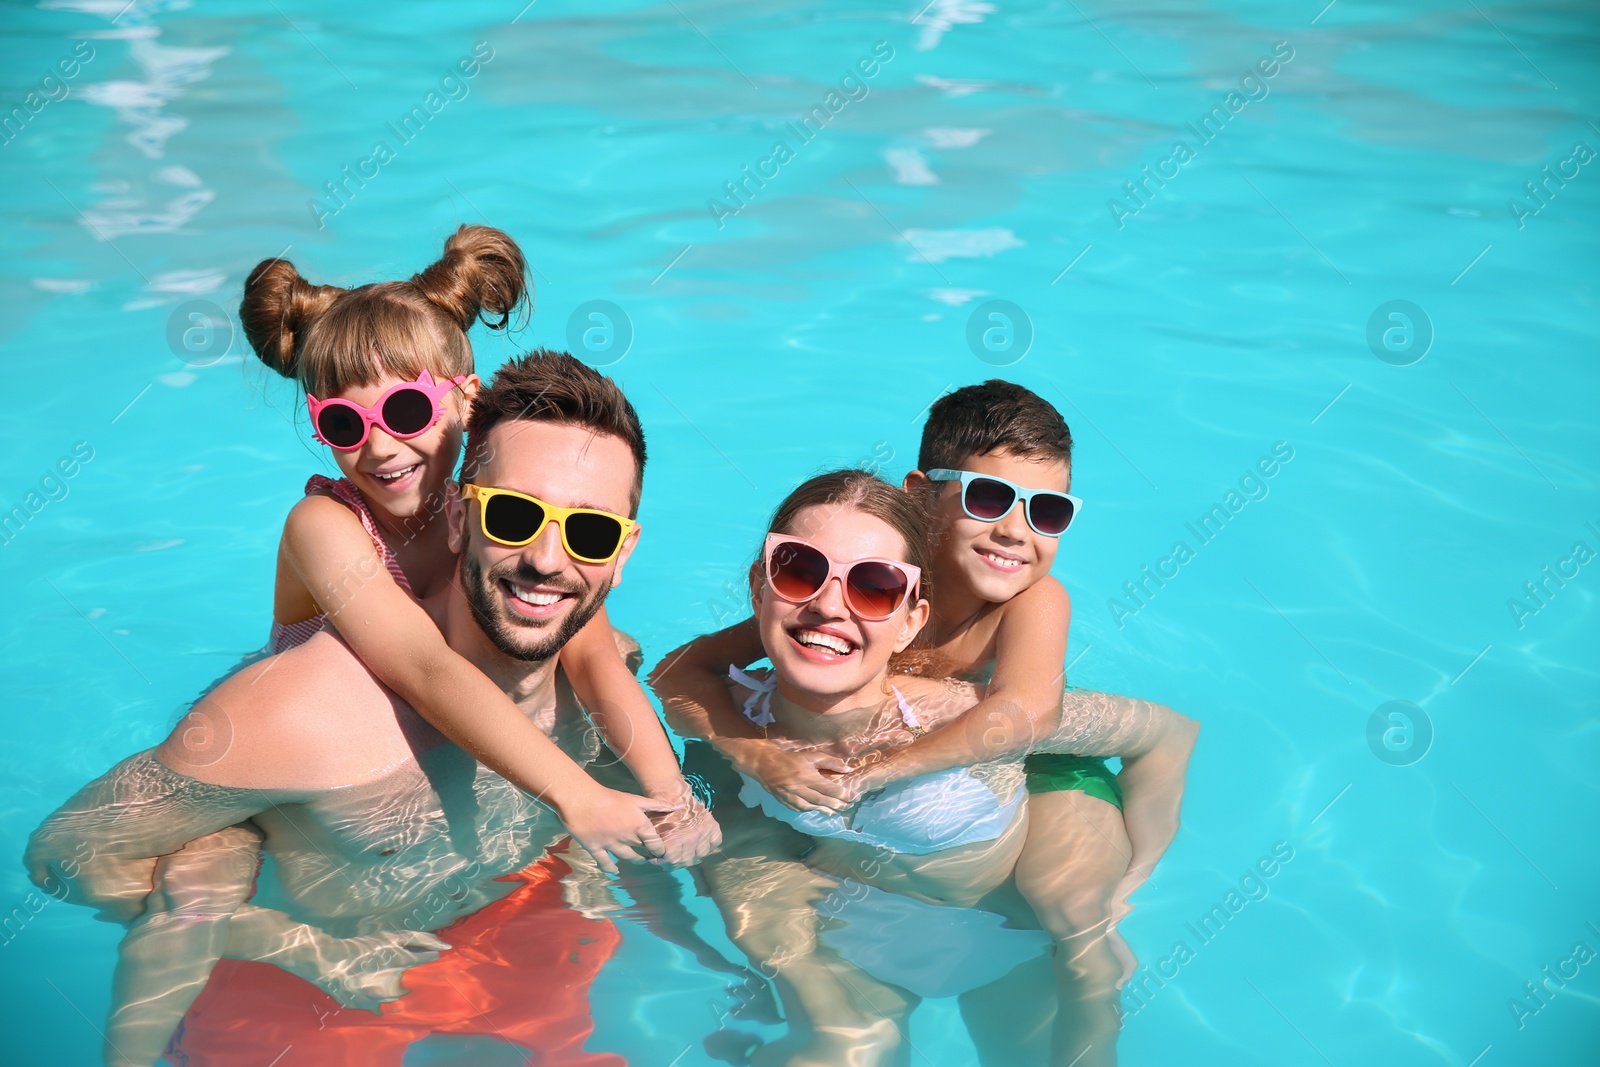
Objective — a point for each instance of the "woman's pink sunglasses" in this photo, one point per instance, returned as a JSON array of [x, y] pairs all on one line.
[[874, 589], [404, 412]]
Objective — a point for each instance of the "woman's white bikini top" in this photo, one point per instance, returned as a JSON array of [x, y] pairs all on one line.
[[915, 816]]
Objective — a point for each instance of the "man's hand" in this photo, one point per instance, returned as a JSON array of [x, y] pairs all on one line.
[[805, 781], [688, 835], [611, 824]]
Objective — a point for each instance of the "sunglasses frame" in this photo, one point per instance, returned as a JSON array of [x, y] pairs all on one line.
[[373, 416], [912, 573], [1024, 496], [552, 513]]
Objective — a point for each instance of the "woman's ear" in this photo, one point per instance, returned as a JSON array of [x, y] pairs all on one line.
[[758, 588], [916, 619], [470, 387]]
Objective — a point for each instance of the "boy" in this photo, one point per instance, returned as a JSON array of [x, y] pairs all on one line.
[[995, 468]]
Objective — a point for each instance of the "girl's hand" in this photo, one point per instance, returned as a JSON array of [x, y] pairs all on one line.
[[688, 835], [805, 781], [608, 824]]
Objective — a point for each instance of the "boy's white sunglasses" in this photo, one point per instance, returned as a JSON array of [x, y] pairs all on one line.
[[989, 499]]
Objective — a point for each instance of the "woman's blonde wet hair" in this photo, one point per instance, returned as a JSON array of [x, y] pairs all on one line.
[[329, 338]]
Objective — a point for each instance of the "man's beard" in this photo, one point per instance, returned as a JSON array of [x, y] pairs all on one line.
[[483, 596]]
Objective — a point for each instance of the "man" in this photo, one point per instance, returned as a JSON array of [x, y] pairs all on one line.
[[373, 824]]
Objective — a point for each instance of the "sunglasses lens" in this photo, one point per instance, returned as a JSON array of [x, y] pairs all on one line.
[[988, 499], [407, 412], [1050, 514], [796, 571], [593, 537], [340, 425], [876, 589], [512, 520]]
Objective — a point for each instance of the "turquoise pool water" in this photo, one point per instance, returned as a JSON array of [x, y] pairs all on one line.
[[1240, 301]]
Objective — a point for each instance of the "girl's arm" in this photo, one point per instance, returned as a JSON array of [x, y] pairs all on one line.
[[617, 706], [335, 560], [1020, 707], [692, 685]]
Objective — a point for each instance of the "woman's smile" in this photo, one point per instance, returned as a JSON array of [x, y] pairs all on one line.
[[823, 644]]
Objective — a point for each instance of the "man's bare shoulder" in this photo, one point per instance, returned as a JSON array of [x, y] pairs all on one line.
[[310, 719]]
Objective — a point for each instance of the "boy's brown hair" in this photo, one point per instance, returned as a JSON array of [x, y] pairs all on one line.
[[550, 386], [997, 416]]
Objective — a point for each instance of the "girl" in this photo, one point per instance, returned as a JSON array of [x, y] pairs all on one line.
[[387, 372]]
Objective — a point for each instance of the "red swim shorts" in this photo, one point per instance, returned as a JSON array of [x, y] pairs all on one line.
[[518, 971]]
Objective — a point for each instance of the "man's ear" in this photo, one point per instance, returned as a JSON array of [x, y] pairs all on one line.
[[915, 483], [628, 544], [916, 619], [455, 512]]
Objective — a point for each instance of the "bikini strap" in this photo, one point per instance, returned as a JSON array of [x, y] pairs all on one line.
[[908, 714], [758, 705]]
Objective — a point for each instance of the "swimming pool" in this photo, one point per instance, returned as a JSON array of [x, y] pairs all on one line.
[[774, 313]]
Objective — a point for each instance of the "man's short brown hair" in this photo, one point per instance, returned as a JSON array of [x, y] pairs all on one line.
[[997, 416], [550, 386]]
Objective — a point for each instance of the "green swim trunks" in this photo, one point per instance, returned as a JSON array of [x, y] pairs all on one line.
[[1050, 772]]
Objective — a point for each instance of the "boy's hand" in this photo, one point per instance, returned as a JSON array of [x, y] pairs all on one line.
[[868, 774], [805, 781], [688, 835], [609, 824]]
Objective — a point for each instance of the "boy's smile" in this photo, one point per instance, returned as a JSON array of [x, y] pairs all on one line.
[[997, 560]]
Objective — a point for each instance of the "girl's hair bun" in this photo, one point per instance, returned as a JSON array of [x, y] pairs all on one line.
[[481, 274], [278, 309]]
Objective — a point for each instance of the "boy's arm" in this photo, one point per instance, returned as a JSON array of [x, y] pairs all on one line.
[[334, 558], [619, 709], [691, 682], [1020, 706], [694, 694]]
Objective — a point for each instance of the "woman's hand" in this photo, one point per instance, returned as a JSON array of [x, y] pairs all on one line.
[[609, 823], [805, 781]]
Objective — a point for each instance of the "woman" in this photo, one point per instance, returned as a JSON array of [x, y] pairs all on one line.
[[837, 596]]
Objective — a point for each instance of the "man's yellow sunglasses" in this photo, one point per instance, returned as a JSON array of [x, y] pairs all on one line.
[[515, 519]]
